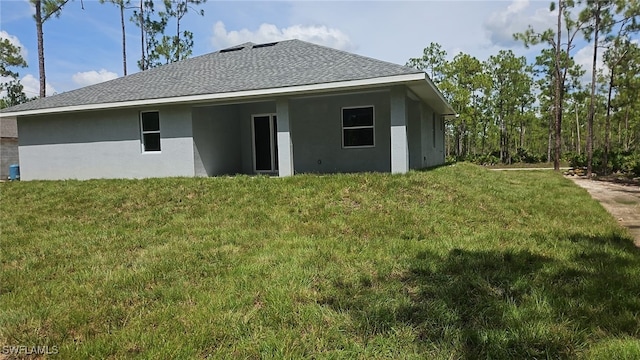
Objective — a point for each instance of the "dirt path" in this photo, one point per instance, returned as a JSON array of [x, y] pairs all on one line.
[[622, 201]]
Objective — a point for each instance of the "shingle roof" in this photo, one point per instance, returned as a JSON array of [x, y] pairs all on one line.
[[243, 67]]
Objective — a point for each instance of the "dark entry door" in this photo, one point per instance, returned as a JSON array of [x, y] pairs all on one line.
[[264, 143]]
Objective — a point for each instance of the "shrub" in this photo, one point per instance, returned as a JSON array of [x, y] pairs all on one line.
[[577, 160], [526, 156], [626, 162]]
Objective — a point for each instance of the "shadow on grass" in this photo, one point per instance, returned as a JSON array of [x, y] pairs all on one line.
[[615, 241], [507, 303], [433, 167]]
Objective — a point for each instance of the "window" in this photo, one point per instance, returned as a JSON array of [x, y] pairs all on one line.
[[357, 127], [150, 124]]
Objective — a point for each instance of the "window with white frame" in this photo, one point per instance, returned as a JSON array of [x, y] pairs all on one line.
[[358, 127], [150, 126]]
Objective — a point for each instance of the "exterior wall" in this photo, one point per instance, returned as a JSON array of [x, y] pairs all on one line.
[[432, 152], [8, 145], [104, 144], [316, 131], [399, 135], [245, 111], [223, 140], [415, 133], [8, 128], [284, 157], [8, 155], [217, 140], [439, 155]]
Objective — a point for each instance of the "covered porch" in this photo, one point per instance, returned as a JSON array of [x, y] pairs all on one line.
[[381, 130]]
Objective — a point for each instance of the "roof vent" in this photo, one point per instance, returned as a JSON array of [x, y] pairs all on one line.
[[231, 49], [264, 45]]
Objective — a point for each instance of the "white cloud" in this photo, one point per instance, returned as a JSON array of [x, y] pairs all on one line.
[[31, 86], [93, 77], [15, 42], [321, 35], [517, 17], [395, 31], [584, 57]]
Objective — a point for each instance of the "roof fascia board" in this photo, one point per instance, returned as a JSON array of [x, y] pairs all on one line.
[[236, 95]]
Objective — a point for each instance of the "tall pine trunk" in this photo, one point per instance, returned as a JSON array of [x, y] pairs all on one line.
[[607, 125], [550, 138], [626, 130], [124, 40], [592, 104], [579, 144], [559, 90], [142, 47], [38, 18], [177, 41]]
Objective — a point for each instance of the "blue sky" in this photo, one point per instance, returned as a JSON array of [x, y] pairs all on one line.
[[83, 47]]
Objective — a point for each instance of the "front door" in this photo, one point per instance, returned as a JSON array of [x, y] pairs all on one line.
[[265, 144]]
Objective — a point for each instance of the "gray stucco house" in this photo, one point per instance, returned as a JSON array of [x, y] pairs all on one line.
[[277, 108]]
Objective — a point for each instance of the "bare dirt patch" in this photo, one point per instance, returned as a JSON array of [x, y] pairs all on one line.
[[622, 200]]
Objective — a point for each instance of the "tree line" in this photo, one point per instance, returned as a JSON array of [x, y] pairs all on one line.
[[510, 110]]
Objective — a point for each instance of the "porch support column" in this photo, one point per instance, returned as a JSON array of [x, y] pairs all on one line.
[[399, 143], [285, 146]]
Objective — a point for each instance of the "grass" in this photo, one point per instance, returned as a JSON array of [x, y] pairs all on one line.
[[522, 165], [455, 262]]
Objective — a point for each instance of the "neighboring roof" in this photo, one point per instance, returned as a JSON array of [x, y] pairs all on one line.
[[246, 68], [8, 128]]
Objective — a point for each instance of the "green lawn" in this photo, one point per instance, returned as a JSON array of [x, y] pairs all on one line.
[[520, 165], [455, 262]]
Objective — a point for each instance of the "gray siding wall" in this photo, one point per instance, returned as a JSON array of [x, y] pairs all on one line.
[[432, 152], [104, 144], [8, 128], [415, 130], [316, 130], [439, 156], [217, 141], [8, 145], [8, 155]]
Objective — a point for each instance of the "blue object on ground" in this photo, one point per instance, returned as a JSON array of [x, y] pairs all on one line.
[[14, 172]]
